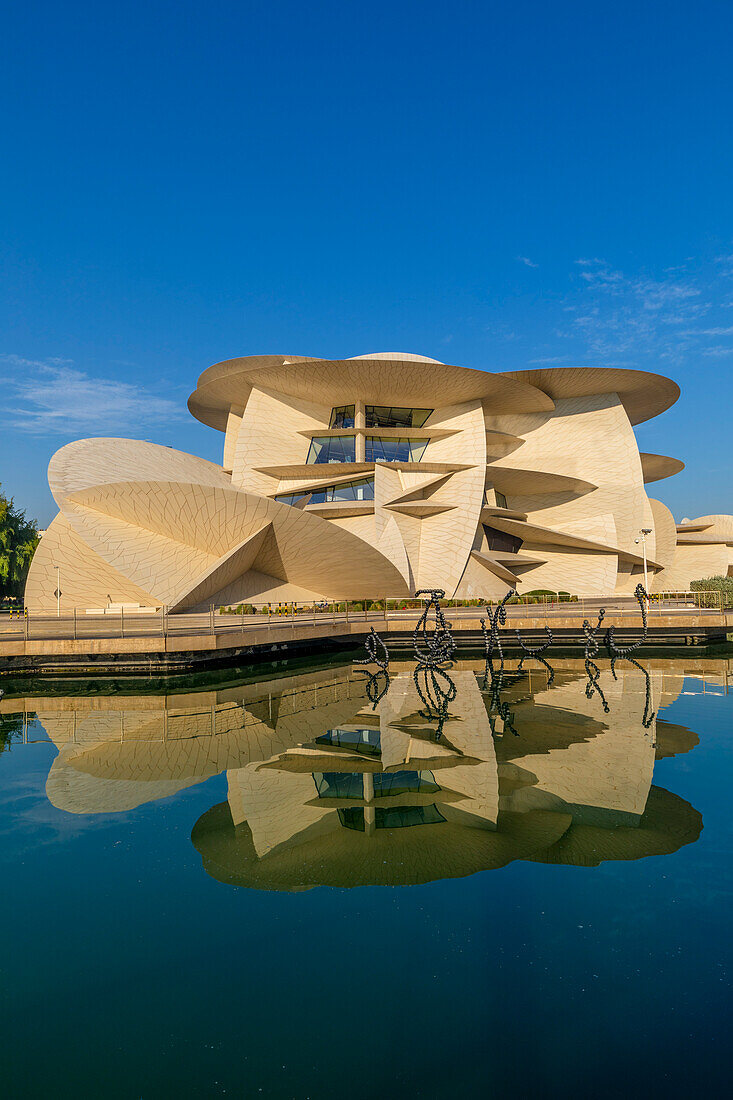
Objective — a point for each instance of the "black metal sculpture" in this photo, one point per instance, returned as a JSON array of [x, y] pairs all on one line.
[[492, 638], [623, 653], [649, 714], [434, 647], [377, 686], [593, 672], [493, 683], [437, 691], [377, 682], [615, 651], [536, 654], [371, 642]]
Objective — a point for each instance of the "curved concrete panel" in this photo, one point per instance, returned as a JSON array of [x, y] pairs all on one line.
[[150, 524], [642, 394], [657, 467]]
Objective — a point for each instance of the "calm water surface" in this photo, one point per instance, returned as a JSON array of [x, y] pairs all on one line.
[[315, 887]]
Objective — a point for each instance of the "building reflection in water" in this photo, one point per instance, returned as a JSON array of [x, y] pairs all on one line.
[[324, 788]]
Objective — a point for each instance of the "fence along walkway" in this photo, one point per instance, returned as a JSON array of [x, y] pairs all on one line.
[[697, 608]]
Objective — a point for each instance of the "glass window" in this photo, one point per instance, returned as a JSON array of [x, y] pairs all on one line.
[[493, 498], [387, 783], [397, 817], [402, 817], [352, 818], [383, 449], [361, 489], [339, 784], [342, 417], [353, 490], [332, 448], [500, 540], [388, 416], [365, 741]]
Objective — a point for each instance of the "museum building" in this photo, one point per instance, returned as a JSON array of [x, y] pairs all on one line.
[[374, 477]]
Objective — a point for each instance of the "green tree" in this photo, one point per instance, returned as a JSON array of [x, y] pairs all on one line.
[[18, 542]]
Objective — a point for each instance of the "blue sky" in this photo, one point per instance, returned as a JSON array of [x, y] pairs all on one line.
[[494, 185]]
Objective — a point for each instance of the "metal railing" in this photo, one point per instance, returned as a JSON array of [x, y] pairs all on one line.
[[77, 624]]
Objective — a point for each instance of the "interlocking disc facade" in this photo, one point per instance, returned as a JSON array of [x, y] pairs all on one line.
[[373, 477]]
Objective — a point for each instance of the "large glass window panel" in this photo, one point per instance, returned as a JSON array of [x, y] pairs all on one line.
[[339, 784], [342, 417], [389, 416], [402, 817], [352, 818], [332, 448], [397, 817], [289, 498], [365, 741], [354, 490], [390, 783], [361, 489], [500, 540], [394, 449]]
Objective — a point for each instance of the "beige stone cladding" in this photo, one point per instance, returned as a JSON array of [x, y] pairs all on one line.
[[86, 579], [114, 755], [704, 549], [604, 777], [588, 438], [183, 542], [527, 480]]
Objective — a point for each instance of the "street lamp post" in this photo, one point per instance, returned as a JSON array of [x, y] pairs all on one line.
[[644, 532], [58, 592]]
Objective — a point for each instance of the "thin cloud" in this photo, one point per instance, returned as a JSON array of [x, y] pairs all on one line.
[[613, 315], [527, 262], [718, 352], [52, 396], [724, 331]]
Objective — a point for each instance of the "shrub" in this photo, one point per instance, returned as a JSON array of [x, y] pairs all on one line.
[[713, 586]]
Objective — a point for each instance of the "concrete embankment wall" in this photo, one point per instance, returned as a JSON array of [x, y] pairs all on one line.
[[178, 652]]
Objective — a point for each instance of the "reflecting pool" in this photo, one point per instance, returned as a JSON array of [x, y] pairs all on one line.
[[330, 883]]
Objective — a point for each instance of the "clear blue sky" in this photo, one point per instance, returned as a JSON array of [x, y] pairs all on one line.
[[491, 184]]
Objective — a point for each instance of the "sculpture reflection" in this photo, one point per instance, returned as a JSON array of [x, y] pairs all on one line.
[[327, 786]]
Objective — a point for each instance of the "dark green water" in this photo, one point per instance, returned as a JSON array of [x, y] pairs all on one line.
[[278, 890]]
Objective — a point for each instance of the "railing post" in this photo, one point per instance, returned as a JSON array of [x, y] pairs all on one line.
[[211, 618], [74, 624], [122, 622], [347, 611]]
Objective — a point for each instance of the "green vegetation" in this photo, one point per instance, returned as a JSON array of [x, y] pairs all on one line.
[[11, 726], [715, 588], [18, 541], [327, 607]]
